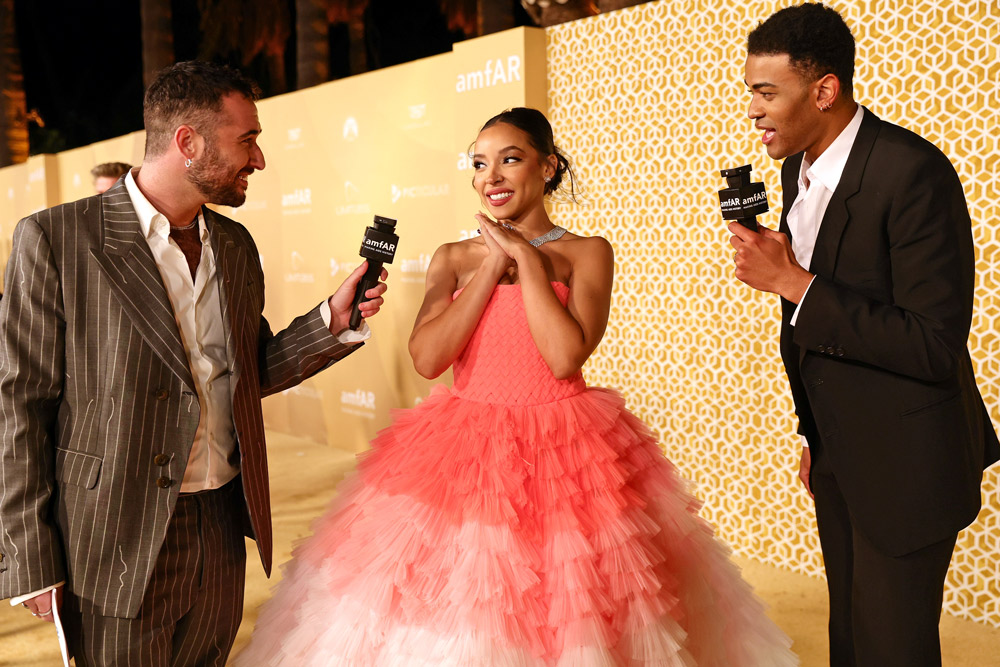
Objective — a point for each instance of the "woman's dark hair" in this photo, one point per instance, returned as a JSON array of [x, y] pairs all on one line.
[[534, 124], [815, 39]]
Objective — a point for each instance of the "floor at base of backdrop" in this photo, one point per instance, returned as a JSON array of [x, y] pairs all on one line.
[[304, 476]]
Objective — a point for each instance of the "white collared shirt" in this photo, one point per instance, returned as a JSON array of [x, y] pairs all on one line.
[[817, 182], [198, 312]]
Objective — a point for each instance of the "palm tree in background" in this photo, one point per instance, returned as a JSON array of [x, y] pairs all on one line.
[[13, 114], [262, 28], [157, 37]]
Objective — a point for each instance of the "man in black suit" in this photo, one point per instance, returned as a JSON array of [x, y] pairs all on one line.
[[873, 336]]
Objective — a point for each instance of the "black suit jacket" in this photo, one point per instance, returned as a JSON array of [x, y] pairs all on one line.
[[877, 361]]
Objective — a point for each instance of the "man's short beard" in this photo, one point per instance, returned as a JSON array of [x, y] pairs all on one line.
[[209, 175]]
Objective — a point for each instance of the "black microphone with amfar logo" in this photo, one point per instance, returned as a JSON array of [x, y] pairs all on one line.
[[378, 247], [742, 201]]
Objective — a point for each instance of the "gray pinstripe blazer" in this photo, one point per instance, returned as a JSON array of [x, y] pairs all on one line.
[[97, 405]]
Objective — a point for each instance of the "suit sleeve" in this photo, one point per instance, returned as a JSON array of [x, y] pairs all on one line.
[[32, 339], [304, 348], [920, 330]]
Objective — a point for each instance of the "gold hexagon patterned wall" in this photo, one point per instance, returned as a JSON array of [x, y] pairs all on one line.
[[650, 104]]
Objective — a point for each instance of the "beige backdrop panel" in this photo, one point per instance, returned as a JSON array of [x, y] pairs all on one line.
[[75, 181], [394, 143], [650, 103]]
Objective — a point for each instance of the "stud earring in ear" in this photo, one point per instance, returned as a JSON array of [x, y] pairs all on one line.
[[187, 163]]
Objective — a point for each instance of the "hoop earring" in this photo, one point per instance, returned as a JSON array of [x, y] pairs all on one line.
[[187, 163], [826, 107]]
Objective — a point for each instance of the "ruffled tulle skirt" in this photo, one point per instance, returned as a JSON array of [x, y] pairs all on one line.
[[484, 535]]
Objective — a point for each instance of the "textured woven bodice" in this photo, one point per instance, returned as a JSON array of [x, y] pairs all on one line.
[[501, 363]]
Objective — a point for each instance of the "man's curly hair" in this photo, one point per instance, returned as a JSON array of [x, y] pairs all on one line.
[[815, 38]]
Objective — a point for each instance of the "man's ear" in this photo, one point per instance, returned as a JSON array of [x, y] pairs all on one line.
[[188, 142], [827, 91]]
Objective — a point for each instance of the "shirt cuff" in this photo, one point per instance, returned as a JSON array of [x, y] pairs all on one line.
[[348, 335], [795, 315], [24, 598], [805, 443]]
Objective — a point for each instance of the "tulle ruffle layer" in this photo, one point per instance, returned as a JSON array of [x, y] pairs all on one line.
[[487, 535]]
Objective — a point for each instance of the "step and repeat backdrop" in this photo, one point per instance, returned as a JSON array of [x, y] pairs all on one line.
[[649, 103]]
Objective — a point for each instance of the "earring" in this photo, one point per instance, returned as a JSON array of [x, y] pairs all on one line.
[[826, 107], [187, 163], [548, 179]]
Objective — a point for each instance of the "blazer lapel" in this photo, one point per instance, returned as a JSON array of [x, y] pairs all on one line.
[[824, 257], [131, 271], [231, 275]]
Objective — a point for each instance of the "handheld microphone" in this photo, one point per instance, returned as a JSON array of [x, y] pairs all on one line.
[[378, 247], [742, 201]]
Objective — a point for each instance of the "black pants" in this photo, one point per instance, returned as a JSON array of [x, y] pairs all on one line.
[[884, 610], [193, 604]]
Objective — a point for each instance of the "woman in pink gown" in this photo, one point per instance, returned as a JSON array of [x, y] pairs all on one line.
[[518, 518]]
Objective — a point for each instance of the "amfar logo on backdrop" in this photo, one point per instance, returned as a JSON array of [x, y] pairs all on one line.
[[350, 129], [358, 402], [36, 175], [418, 111], [297, 202], [416, 191], [294, 138], [465, 162], [351, 194], [415, 270], [297, 275], [494, 73]]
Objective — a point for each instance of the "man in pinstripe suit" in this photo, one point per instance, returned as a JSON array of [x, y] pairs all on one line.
[[133, 358]]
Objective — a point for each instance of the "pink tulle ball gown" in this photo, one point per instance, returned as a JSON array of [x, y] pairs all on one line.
[[514, 520]]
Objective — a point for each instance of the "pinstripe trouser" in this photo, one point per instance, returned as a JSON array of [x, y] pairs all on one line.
[[194, 602]]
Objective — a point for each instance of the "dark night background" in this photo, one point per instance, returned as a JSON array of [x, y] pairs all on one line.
[[82, 61]]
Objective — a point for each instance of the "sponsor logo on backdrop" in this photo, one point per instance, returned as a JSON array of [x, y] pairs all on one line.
[[495, 72], [465, 162], [252, 205], [350, 129], [351, 195], [10, 193], [294, 139], [417, 117], [304, 391], [77, 180], [468, 234], [298, 274], [415, 270], [418, 191], [36, 175], [297, 202], [358, 402]]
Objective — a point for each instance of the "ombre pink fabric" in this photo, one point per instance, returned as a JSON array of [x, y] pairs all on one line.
[[514, 520]]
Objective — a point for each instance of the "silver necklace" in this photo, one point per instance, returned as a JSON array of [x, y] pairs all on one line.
[[551, 235], [187, 226]]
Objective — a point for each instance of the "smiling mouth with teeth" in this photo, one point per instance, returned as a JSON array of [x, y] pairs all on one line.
[[500, 195]]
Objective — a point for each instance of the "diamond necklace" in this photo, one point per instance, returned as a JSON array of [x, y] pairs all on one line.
[[551, 235]]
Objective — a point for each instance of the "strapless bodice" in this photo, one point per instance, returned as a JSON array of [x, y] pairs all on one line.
[[501, 363]]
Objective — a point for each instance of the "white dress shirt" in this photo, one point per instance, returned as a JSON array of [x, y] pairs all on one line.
[[817, 182], [197, 309]]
